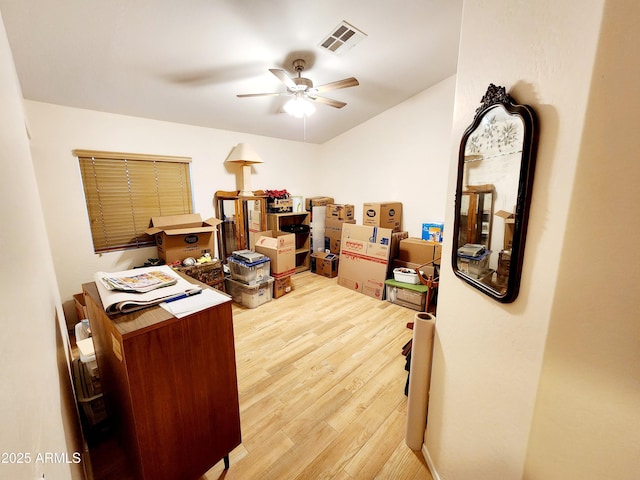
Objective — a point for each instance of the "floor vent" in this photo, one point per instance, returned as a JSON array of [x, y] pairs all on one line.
[[342, 38]]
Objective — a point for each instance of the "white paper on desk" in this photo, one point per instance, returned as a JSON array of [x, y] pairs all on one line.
[[195, 303], [115, 301]]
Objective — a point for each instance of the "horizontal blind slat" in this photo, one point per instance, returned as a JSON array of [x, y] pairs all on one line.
[[123, 194]]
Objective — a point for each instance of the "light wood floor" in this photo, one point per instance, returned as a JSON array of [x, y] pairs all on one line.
[[321, 380]]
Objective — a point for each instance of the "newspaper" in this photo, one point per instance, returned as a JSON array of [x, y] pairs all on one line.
[[137, 281], [118, 301]]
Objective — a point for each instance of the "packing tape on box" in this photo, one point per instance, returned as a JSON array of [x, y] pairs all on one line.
[[419, 379]]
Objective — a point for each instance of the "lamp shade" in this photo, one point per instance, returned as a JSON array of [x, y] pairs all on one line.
[[244, 154]]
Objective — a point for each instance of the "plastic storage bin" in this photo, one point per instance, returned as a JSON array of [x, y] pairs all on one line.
[[250, 273], [88, 394], [475, 267], [250, 296], [406, 294], [406, 275]]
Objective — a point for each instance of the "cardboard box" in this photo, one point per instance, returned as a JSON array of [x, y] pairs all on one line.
[[81, 306], [340, 212], [385, 215], [396, 238], [282, 286], [182, 236], [416, 250], [394, 251], [509, 225], [255, 227], [280, 247], [432, 232], [326, 264], [317, 202], [279, 205], [333, 234], [364, 259]]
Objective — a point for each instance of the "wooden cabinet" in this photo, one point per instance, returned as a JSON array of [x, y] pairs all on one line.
[[241, 217], [170, 386], [297, 223]]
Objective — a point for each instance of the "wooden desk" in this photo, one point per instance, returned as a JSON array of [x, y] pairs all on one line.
[[170, 386]]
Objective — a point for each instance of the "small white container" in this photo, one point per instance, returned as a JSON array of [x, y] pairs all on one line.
[[87, 350], [406, 275]]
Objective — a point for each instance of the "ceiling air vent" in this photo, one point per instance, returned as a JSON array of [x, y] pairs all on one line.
[[342, 38]]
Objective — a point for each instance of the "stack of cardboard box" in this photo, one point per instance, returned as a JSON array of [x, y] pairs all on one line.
[[280, 247], [325, 262], [367, 250], [336, 217], [364, 259], [413, 254]]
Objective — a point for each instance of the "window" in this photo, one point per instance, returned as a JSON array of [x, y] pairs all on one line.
[[123, 191]]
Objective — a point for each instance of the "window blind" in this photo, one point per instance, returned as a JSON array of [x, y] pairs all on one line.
[[123, 191]]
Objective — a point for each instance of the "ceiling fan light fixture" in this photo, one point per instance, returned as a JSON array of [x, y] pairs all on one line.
[[299, 107]]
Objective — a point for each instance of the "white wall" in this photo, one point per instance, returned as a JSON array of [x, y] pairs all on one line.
[[587, 419], [400, 155], [31, 408], [488, 357]]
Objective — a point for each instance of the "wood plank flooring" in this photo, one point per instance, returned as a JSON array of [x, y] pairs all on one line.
[[321, 380]]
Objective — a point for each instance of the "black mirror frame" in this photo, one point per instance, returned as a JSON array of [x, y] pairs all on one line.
[[497, 96]]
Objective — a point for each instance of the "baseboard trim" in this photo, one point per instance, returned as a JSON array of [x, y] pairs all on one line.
[[427, 457]]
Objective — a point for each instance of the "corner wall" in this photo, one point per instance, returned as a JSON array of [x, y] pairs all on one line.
[[34, 411], [400, 155], [488, 356], [586, 422]]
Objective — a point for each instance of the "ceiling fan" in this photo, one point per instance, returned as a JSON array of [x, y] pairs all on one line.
[[302, 89]]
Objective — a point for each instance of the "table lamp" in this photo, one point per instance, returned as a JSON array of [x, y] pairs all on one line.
[[244, 155]]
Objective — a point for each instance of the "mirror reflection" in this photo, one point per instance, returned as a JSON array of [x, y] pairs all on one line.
[[493, 194]]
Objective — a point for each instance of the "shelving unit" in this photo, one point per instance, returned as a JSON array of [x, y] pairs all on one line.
[[276, 221]]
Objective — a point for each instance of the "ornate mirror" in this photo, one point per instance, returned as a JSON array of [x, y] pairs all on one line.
[[495, 176]]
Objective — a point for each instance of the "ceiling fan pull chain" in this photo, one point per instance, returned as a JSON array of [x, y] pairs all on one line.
[[304, 128]]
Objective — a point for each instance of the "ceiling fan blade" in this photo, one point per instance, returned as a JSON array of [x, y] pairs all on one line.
[[327, 101], [283, 77], [344, 83], [243, 95]]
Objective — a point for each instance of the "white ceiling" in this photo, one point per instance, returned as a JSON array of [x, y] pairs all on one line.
[[185, 61]]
